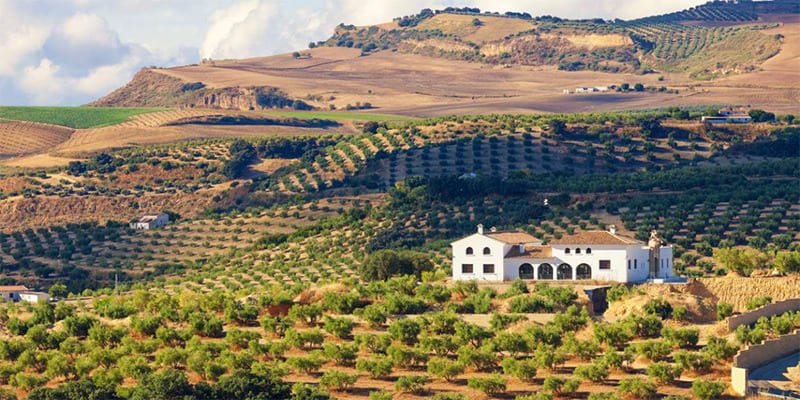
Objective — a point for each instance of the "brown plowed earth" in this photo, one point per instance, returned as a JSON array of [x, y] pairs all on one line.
[[22, 137]]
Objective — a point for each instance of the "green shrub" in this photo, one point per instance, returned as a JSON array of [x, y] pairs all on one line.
[[684, 338], [706, 390], [405, 330], [659, 307], [654, 350], [380, 395], [595, 372], [757, 302], [720, 348], [603, 396], [374, 314], [489, 385], [560, 386], [411, 383], [724, 310], [637, 388], [340, 354], [698, 362], [449, 396], [339, 327], [337, 380], [524, 370], [444, 368], [663, 372], [308, 364], [378, 367], [680, 313]]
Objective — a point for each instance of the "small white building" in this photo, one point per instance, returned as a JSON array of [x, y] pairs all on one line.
[[730, 111], [34, 297], [592, 255], [150, 221], [12, 293]]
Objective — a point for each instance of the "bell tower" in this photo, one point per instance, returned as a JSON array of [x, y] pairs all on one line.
[[655, 254]]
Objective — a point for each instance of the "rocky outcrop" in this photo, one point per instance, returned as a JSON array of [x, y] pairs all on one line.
[[151, 88]]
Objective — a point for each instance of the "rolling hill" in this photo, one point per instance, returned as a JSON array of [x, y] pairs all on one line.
[[459, 61]]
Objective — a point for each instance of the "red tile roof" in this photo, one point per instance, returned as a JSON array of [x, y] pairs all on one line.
[[513, 237], [595, 237], [538, 252], [13, 289]]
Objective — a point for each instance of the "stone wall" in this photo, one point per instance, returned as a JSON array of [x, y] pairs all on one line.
[[755, 356], [768, 310]]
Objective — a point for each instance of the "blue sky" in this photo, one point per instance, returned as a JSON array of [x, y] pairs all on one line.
[[69, 52]]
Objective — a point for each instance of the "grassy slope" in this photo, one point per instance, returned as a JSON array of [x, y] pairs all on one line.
[[339, 116], [73, 117]]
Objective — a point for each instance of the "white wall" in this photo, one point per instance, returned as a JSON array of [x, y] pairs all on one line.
[[639, 257], [477, 259], [34, 297], [615, 254]]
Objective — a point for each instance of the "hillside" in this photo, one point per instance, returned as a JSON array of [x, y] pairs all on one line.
[[261, 279], [458, 61]]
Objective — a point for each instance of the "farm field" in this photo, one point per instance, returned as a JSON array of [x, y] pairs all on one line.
[[48, 146], [337, 116], [72, 117]]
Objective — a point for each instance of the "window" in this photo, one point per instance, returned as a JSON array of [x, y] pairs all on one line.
[[466, 268], [566, 251], [470, 251], [635, 264], [588, 251], [577, 251], [605, 264], [488, 268], [629, 264], [487, 251]]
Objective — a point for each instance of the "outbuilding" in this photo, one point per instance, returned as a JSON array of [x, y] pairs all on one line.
[[150, 221]]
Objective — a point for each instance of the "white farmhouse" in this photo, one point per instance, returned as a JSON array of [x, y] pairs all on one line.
[[12, 293], [150, 221], [591, 255], [34, 297]]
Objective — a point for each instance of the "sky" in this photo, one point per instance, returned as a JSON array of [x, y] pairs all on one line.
[[70, 52]]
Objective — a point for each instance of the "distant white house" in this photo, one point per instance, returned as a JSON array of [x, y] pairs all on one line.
[[592, 255], [34, 297], [11, 293], [730, 115], [150, 221], [21, 293]]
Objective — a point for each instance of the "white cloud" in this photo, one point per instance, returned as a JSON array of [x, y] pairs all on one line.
[[18, 39], [228, 30], [41, 83]]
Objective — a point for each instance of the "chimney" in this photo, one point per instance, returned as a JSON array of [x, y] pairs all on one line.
[[494, 229], [480, 229], [612, 229]]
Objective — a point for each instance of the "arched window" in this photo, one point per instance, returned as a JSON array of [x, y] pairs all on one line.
[[526, 271], [577, 251], [566, 251], [564, 272], [545, 271], [470, 251], [583, 271], [588, 250], [487, 251]]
